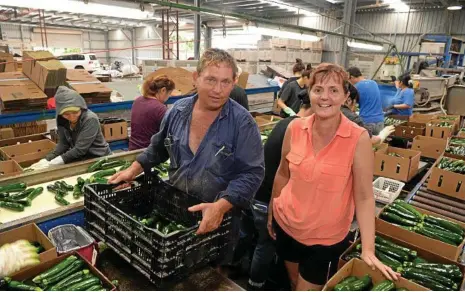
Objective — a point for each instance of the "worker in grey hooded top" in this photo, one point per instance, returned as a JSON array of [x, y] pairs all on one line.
[[79, 134]]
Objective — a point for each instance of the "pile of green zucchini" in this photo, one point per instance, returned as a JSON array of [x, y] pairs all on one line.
[[68, 275], [392, 122], [60, 189], [364, 283], [162, 169], [441, 124], [412, 267], [104, 164], [156, 221], [16, 196], [407, 217], [458, 141], [457, 150], [453, 165], [447, 118]]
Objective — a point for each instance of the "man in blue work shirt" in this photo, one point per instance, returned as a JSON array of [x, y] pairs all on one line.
[[371, 108], [213, 144]]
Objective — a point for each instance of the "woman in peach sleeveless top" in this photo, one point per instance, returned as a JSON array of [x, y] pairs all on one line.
[[325, 176]]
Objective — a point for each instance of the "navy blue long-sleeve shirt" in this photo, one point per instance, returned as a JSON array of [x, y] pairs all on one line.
[[229, 162]]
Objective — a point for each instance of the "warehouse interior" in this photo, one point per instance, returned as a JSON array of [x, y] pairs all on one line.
[[58, 199]]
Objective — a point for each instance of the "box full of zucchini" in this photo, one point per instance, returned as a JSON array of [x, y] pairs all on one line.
[[422, 228], [150, 222], [448, 175], [65, 273], [356, 275], [432, 275], [440, 129]]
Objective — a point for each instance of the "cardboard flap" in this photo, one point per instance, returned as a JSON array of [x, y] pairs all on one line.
[[79, 75], [182, 78], [90, 88], [25, 92], [12, 75]]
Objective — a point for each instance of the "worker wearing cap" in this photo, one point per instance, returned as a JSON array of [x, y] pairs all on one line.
[[79, 134]]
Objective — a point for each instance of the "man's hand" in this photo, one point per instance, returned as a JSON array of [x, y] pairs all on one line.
[[212, 214], [127, 175]]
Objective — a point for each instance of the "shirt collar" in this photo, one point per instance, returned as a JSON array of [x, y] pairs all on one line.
[[344, 129], [187, 107]]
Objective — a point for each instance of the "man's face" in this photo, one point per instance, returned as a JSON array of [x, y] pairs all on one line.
[[214, 84], [352, 80]]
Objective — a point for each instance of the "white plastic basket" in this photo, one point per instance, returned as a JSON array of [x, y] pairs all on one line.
[[387, 190]]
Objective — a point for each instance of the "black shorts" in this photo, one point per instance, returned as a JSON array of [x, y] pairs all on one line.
[[317, 263]]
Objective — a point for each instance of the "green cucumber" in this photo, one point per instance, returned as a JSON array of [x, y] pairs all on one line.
[[447, 234], [61, 201], [25, 203], [385, 242], [354, 254], [82, 286], [414, 273], [55, 269], [441, 269], [18, 286], [400, 211], [418, 260], [426, 232], [77, 192], [80, 181], [12, 206], [98, 180], [387, 260], [410, 208], [360, 285], [113, 164], [4, 195], [71, 269], [340, 285], [97, 165], [56, 190], [22, 195], [34, 194], [397, 254], [392, 218], [386, 285], [125, 166], [75, 281], [66, 186], [453, 227], [96, 288], [11, 188], [105, 173], [435, 227], [431, 284], [66, 281]]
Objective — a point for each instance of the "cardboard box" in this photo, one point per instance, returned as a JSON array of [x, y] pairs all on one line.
[[80, 75], [42, 68], [29, 128], [264, 121], [6, 133], [381, 147], [359, 268], [36, 270], [432, 130], [400, 168], [453, 118], [422, 118], [9, 168], [410, 130], [115, 131], [28, 153], [30, 232], [22, 140], [429, 147], [10, 66], [447, 182], [18, 93], [445, 250], [92, 92], [242, 80]]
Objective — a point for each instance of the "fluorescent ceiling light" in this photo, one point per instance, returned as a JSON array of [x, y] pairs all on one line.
[[397, 5], [365, 46], [280, 33], [455, 7], [288, 7], [79, 7]]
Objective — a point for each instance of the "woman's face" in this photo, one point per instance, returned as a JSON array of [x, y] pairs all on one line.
[[327, 96], [72, 117]]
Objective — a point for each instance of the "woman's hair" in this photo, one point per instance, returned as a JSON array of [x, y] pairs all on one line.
[[406, 80], [298, 66], [306, 73], [309, 67], [328, 70], [353, 93], [152, 85]]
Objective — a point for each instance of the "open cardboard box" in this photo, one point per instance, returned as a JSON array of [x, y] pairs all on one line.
[[42, 267], [380, 147], [433, 130], [28, 153], [359, 268], [10, 66], [422, 118], [455, 118], [115, 131], [429, 147], [9, 168], [410, 130], [443, 249], [447, 182], [30, 232], [22, 140], [400, 168]]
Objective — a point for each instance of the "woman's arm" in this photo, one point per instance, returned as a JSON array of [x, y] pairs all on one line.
[[365, 204], [61, 147], [281, 178], [401, 106]]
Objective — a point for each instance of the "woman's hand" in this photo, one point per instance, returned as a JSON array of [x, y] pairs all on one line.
[[374, 263], [270, 223]]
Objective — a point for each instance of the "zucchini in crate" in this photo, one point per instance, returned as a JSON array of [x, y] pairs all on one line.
[[19, 286], [419, 274], [393, 218], [85, 284], [74, 267], [70, 280], [386, 285], [451, 226], [385, 242], [344, 282], [361, 284], [55, 269], [410, 208]]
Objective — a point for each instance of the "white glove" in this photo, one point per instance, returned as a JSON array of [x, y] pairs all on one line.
[[386, 132], [57, 161], [42, 164], [289, 112]]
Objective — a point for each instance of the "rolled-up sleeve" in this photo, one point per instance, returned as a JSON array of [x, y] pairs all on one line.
[[156, 153], [249, 166]]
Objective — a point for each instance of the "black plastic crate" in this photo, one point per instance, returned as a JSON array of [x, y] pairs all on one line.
[[161, 258]]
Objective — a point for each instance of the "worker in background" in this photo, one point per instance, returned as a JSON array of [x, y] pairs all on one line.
[[148, 110], [402, 103], [264, 252], [371, 108], [324, 177], [348, 109], [289, 101], [238, 94], [79, 134], [213, 144], [297, 70], [309, 67]]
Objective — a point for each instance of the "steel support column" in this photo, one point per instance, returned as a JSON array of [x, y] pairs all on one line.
[[133, 44], [197, 31], [106, 36], [350, 7]]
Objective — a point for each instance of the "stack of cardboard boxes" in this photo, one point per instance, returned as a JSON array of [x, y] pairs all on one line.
[[89, 87]]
